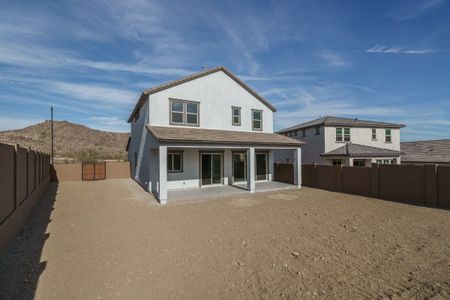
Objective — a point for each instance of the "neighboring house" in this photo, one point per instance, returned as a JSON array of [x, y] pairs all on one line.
[[208, 128], [426, 152], [345, 141]]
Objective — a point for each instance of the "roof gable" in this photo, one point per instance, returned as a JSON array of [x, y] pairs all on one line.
[[194, 76]]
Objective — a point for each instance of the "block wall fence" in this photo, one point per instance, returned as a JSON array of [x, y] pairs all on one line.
[[427, 185], [24, 177]]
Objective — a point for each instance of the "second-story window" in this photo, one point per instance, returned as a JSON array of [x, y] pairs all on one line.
[[342, 134], [236, 116], [257, 119], [317, 130], [388, 136], [184, 112], [374, 134], [303, 133]]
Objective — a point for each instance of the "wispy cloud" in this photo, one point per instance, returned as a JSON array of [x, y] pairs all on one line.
[[409, 11], [332, 59], [394, 49], [110, 121]]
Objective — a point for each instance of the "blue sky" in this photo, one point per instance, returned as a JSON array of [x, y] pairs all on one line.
[[381, 60]]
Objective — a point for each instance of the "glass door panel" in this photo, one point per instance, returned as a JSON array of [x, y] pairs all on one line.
[[206, 169], [261, 166], [239, 167], [216, 168]]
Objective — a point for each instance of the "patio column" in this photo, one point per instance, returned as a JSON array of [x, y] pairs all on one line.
[[162, 192], [270, 166], [251, 169], [298, 167]]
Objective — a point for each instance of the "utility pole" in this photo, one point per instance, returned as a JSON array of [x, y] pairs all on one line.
[[51, 112]]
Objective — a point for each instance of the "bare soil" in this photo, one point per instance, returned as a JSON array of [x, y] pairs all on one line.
[[109, 239]]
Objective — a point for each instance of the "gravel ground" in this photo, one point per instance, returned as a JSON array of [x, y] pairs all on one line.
[[108, 239]]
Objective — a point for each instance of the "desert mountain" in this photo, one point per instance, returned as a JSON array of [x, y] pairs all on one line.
[[71, 140]]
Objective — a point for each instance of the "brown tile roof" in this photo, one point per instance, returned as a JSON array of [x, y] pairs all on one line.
[[434, 151], [338, 121], [213, 136], [356, 150], [195, 76]]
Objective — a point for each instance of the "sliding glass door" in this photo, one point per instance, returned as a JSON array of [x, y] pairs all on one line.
[[211, 168], [239, 166]]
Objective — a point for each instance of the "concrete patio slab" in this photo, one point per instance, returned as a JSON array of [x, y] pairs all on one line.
[[224, 190]]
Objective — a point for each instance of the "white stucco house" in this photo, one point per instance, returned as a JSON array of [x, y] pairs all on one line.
[[206, 129], [345, 141]]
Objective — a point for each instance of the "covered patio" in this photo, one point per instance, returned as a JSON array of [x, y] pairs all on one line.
[[204, 163]]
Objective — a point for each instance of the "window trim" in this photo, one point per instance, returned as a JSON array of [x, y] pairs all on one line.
[[232, 115], [317, 130], [184, 112], [253, 119], [386, 135], [171, 153], [343, 135], [374, 132]]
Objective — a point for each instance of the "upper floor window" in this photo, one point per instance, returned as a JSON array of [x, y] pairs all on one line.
[[342, 134], [257, 119], [236, 115], [184, 112], [388, 136], [374, 134], [303, 133], [317, 130]]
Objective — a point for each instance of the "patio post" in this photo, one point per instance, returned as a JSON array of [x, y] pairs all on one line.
[[298, 167], [162, 192], [251, 169]]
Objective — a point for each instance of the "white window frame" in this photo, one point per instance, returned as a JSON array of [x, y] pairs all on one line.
[[260, 120], [233, 110], [374, 134], [343, 136], [184, 112], [386, 135], [170, 157]]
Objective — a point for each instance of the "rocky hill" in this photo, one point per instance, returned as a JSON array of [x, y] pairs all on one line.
[[71, 140]]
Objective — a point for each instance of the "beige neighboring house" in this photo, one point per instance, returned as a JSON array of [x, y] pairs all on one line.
[[426, 152], [206, 129], [345, 141]]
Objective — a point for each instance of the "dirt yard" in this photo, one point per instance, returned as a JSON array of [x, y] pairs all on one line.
[[108, 239]]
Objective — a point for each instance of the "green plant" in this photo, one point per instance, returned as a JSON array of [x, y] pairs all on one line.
[[87, 156]]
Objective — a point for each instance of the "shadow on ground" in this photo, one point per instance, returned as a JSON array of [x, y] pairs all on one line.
[[20, 264]]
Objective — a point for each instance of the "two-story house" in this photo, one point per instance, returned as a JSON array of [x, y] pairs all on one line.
[[345, 141], [206, 129]]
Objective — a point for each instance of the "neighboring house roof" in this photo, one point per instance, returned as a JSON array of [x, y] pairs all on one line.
[[434, 151], [356, 150], [214, 136], [195, 76], [337, 121]]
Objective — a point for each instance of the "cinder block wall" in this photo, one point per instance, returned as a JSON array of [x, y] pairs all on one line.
[[24, 177], [73, 172], [427, 185]]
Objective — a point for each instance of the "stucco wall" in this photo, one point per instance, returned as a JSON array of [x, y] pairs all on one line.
[[191, 172], [362, 136], [315, 145], [217, 93]]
